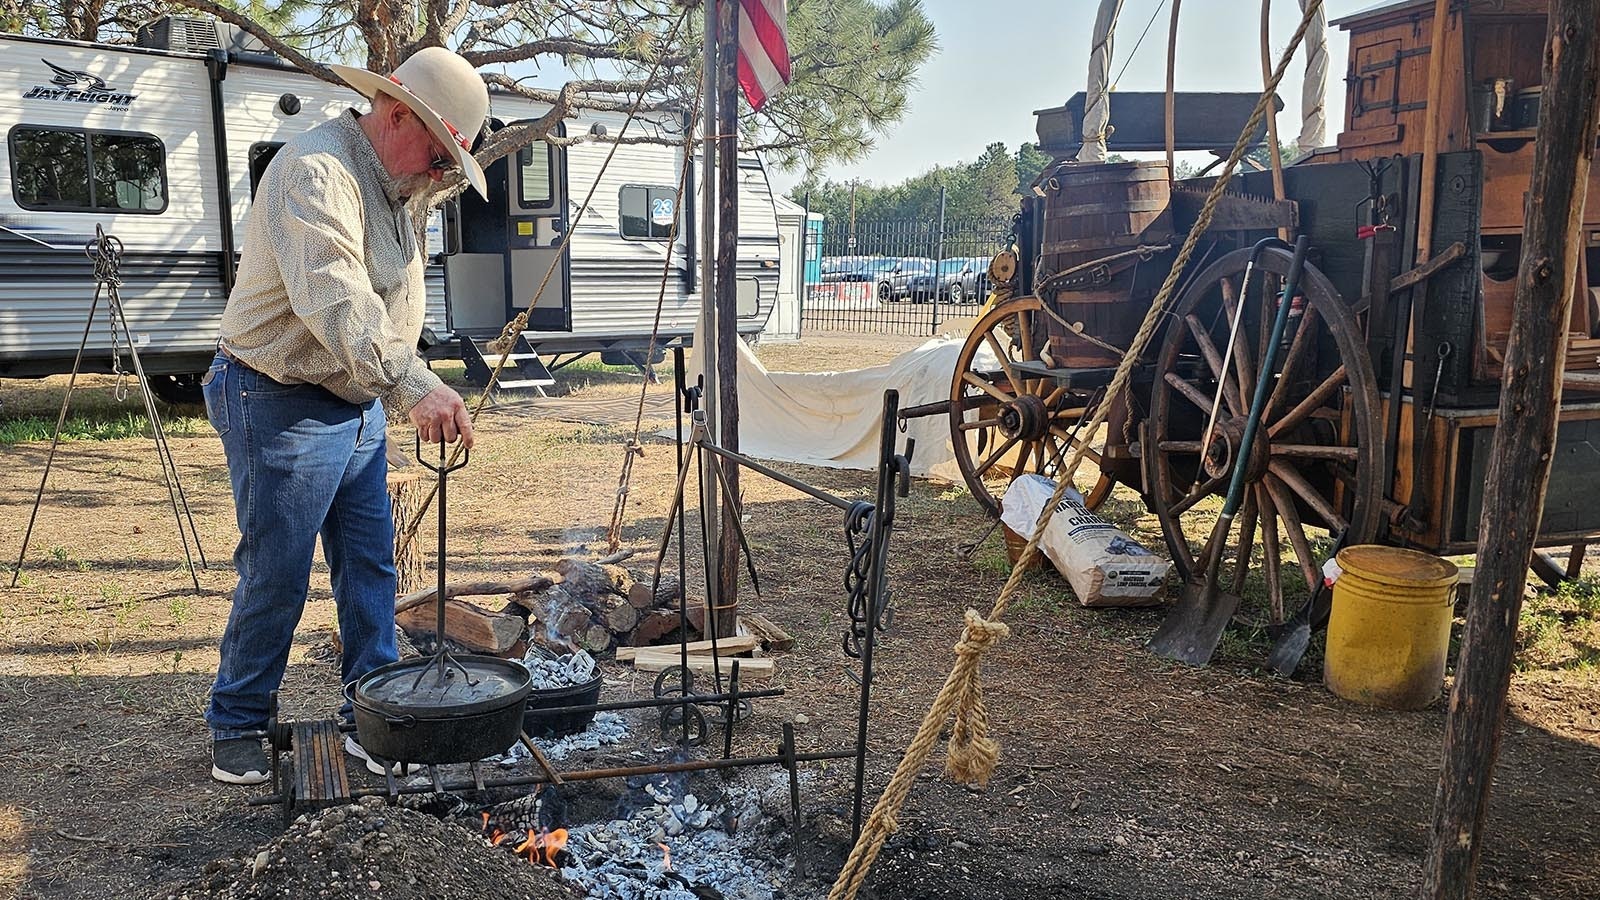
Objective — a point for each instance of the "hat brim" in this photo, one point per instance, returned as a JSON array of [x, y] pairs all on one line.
[[370, 84]]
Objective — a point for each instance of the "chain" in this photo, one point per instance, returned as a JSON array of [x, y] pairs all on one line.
[[106, 252]]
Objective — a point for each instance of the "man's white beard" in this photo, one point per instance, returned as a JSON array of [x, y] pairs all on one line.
[[413, 185]]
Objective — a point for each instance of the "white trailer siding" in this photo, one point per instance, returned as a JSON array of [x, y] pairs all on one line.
[[172, 288]]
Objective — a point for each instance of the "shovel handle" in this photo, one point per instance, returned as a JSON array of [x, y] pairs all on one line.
[[1258, 403]]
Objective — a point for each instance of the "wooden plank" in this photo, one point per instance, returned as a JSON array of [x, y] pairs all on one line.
[[656, 662], [1381, 134], [466, 624], [771, 635], [728, 646]]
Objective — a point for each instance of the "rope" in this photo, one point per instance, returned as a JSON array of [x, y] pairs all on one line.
[[633, 449], [972, 754], [520, 322]]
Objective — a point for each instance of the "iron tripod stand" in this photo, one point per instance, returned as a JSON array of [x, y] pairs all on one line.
[[106, 252]]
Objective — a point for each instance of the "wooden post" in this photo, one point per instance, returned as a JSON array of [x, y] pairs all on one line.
[[727, 612], [1274, 152], [1170, 109], [1524, 442], [1430, 131]]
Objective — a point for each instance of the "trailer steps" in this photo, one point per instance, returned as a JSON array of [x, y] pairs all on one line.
[[524, 372]]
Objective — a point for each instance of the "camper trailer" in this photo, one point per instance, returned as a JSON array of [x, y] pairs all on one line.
[[162, 144]]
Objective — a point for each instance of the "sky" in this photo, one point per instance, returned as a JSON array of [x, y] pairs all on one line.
[[999, 61]]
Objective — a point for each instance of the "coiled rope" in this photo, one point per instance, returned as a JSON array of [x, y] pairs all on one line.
[[972, 754]]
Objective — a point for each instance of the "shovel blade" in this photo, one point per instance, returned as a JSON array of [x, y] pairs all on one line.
[[1193, 629], [1288, 649]]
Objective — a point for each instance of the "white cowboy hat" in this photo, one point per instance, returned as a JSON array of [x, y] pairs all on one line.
[[445, 92]]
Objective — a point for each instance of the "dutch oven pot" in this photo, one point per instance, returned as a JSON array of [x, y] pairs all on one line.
[[405, 713]]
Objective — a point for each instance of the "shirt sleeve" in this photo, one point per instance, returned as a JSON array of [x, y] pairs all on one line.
[[319, 248]]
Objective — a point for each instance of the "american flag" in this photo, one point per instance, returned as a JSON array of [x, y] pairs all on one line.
[[763, 49]]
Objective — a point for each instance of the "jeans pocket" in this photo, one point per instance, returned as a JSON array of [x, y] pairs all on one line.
[[213, 386]]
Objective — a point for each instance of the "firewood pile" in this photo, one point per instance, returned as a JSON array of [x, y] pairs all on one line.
[[574, 605]]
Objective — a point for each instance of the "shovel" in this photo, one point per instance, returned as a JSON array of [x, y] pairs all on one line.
[[1291, 643], [1193, 629]]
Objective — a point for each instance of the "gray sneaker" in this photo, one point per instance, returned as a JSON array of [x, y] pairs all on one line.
[[352, 747], [239, 761]]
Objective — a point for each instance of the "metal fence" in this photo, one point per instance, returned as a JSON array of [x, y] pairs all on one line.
[[897, 277]]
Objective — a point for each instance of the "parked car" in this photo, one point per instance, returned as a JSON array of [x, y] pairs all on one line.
[[894, 279], [971, 283], [957, 280]]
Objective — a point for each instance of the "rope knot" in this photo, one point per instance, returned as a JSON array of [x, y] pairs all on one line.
[[980, 634]]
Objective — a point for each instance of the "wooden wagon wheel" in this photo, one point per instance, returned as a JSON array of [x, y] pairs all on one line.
[[1317, 453], [1006, 420]]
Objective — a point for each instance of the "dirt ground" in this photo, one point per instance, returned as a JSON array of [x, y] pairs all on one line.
[[1122, 775]]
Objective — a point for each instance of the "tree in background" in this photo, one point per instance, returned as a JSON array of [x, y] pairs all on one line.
[[1031, 162], [985, 188], [854, 61]]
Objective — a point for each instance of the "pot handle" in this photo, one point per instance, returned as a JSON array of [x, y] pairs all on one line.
[[400, 722]]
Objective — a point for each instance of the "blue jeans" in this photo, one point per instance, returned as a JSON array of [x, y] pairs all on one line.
[[303, 462]]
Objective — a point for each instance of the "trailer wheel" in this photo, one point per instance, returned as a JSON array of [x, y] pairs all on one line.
[[178, 390]]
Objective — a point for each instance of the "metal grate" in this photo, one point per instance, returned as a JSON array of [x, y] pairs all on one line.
[[898, 277]]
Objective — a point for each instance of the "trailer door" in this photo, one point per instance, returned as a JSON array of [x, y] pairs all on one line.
[[508, 242]]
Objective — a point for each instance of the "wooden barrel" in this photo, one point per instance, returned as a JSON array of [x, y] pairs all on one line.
[[1091, 212]]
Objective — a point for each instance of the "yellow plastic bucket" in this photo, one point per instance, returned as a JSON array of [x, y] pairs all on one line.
[[1389, 632]]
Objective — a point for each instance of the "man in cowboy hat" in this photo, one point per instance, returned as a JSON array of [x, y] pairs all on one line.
[[318, 338]]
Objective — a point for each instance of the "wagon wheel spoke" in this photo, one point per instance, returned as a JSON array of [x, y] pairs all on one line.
[[1300, 350], [1288, 476], [1191, 393], [1197, 493], [1316, 451], [1296, 532], [979, 423], [1067, 439], [1243, 364], [1247, 539], [1005, 363], [1303, 410], [999, 451], [973, 379], [1231, 394], [1272, 565]]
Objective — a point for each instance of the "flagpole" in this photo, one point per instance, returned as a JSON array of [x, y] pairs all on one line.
[[727, 288], [706, 352]]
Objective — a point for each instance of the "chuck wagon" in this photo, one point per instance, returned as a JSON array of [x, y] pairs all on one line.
[[1382, 403]]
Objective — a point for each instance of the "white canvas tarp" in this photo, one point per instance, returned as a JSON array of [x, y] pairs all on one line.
[[832, 418]]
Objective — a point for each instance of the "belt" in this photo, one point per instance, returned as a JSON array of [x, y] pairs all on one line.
[[223, 349]]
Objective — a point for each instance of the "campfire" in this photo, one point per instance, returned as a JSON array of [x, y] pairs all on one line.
[[662, 841]]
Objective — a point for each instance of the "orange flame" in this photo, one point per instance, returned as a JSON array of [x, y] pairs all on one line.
[[543, 846], [485, 823], [666, 857], [498, 838]]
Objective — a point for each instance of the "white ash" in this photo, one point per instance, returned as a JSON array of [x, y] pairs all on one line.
[[607, 728], [725, 845], [548, 673]]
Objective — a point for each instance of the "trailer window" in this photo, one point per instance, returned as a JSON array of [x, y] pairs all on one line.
[[78, 171], [537, 185], [647, 211]]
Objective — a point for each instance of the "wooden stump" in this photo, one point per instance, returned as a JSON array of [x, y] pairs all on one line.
[[410, 565]]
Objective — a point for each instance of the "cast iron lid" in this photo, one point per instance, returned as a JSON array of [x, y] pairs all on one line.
[[470, 685]]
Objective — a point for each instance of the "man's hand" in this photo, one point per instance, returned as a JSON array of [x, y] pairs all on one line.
[[440, 415]]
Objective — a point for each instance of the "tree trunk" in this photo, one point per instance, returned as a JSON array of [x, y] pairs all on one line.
[[1524, 443]]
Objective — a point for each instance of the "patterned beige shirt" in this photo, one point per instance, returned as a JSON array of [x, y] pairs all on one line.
[[330, 287]]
